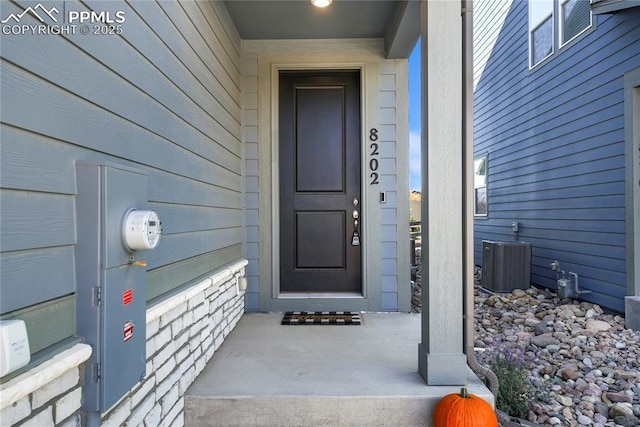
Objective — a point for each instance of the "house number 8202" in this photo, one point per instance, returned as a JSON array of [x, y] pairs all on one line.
[[375, 152]]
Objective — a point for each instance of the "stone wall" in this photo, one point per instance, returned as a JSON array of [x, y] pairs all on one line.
[[47, 395], [183, 332]]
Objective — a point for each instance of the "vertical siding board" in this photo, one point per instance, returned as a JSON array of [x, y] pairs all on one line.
[[554, 137]]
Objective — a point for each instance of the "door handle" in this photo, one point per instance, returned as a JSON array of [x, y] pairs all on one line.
[[355, 237]]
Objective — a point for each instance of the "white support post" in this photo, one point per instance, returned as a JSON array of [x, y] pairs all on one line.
[[441, 357]]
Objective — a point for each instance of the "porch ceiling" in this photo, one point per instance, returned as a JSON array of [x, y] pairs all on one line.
[[395, 21]]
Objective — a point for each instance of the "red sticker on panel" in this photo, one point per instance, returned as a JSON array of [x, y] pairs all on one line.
[[127, 297], [128, 331]]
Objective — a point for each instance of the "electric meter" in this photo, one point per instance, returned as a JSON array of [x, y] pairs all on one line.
[[142, 230]]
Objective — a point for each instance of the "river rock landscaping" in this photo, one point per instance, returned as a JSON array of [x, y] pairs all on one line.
[[582, 364]]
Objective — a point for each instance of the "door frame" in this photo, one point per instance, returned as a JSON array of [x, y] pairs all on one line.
[[276, 68]]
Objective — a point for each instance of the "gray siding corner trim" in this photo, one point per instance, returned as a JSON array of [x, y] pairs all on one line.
[[632, 178]]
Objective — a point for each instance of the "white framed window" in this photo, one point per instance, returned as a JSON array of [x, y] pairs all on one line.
[[575, 18], [540, 30], [480, 205], [567, 18]]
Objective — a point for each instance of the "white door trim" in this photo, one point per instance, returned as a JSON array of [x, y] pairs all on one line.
[[275, 175]]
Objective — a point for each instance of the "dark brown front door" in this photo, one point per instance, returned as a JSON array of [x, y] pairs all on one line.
[[319, 162]]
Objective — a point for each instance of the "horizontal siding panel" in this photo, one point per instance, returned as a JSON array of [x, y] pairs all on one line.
[[33, 276], [584, 242], [536, 139], [227, 38], [574, 214], [521, 126], [32, 99], [186, 218], [140, 108], [609, 157], [591, 277], [579, 145], [601, 239], [170, 277], [186, 70], [180, 190], [503, 226], [555, 133], [609, 176], [48, 323], [213, 57], [562, 177], [574, 203], [225, 29], [177, 247], [35, 220], [558, 193], [33, 162]]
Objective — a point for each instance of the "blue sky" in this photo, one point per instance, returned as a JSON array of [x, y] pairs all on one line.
[[414, 118]]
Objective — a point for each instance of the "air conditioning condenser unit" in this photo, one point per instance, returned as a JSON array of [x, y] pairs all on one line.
[[506, 265]]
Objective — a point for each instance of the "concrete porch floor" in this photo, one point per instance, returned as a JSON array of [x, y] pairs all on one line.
[[266, 374]]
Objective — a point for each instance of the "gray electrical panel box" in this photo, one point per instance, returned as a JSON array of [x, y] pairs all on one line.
[[111, 282]]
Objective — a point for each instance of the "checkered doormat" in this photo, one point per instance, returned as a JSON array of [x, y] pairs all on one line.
[[322, 318]]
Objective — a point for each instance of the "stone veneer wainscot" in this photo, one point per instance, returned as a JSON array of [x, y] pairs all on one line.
[[183, 332]]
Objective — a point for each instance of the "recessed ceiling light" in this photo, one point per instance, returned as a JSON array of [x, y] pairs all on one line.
[[321, 3]]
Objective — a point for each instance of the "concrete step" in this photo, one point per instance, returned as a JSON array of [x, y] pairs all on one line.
[[329, 411], [266, 374]]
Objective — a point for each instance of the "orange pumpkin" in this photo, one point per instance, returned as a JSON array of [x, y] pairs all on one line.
[[464, 410]]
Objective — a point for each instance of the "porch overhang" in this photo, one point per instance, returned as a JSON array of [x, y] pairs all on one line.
[[447, 151], [395, 21]]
